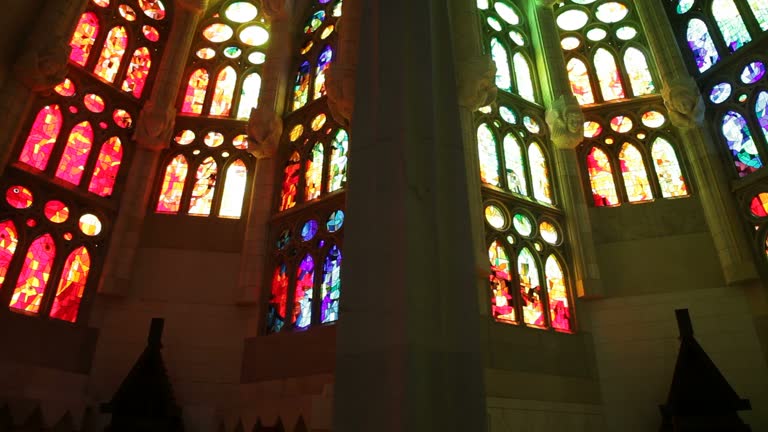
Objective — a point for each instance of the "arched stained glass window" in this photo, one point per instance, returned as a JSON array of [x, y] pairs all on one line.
[[542, 188], [195, 94], [108, 64], [700, 43], [502, 302], [760, 10], [223, 92], [635, 176], [323, 64], [501, 58], [579, 78], [608, 75], [515, 165], [72, 163], [489, 165], [523, 77], [337, 174], [331, 286], [201, 201], [301, 86], [42, 138], [173, 185], [731, 24], [559, 306], [249, 95], [668, 169], [530, 289], [313, 173], [601, 178], [234, 190], [302, 300], [34, 275], [138, 70], [83, 38], [637, 70], [278, 300], [9, 239], [290, 182], [71, 285], [739, 138], [107, 167], [761, 112]]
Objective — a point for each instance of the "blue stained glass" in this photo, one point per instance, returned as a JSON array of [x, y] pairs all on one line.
[[335, 221], [331, 287], [761, 112], [730, 23], [753, 72], [501, 58], [720, 93], [702, 47], [684, 6], [285, 238], [315, 21], [741, 143], [309, 230]]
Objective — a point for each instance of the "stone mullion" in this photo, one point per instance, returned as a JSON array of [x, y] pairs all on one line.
[[686, 111], [566, 122], [153, 134]]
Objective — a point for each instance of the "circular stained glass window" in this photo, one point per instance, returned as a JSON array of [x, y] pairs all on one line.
[[522, 224], [720, 92], [240, 142], [185, 137], [653, 119], [596, 34], [218, 32], [621, 124], [531, 124], [296, 132], [205, 53], [626, 32], [335, 221], [56, 211], [150, 33], [122, 118], [127, 13], [318, 122], [592, 129], [570, 43], [572, 19], [684, 6], [753, 72], [611, 12], [507, 115], [213, 139], [154, 9], [549, 232], [494, 23], [241, 12], [90, 224], [19, 197], [495, 217], [94, 103], [759, 205], [254, 35], [517, 37], [309, 230], [257, 57], [232, 52], [506, 13], [66, 88]]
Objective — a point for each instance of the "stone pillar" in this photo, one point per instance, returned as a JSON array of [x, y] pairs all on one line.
[[41, 66], [408, 354], [686, 111], [154, 130], [566, 124]]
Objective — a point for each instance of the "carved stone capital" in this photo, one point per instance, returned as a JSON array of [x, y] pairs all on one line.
[[155, 126], [684, 103], [477, 82], [43, 69], [264, 131], [196, 6], [566, 122], [340, 85], [275, 9]]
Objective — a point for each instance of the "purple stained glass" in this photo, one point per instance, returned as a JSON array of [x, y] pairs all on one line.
[[702, 47], [331, 288], [309, 230], [741, 143], [753, 72], [302, 304], [720, 93], [761, 112]]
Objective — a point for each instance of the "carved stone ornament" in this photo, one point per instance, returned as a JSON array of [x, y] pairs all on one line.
[[566, 122], [155, 126], [477, 82], [192, 5], [264, 130], [275, 9], [42, 70], [340, 85], [684, 103]]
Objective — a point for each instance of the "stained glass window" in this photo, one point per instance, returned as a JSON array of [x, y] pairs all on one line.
[[635, 176], [489, 165], [108, 64], [302, 300], [234, 190], [278, 299], [542, 189], [71, 285], [337, 175], [83, 38], [195, 94], [739, 138], [34, 275], [515, 165], [579, 78], [559, 306], [72, 163], [137, 73], [731, 24], [173, 185], [223, 92], [700, 43], [668, 169], [638, 72], [323, 64], [601, 178], [502, 302], [9, 239], [42, 138], [331, 286], [608, 75], [107, 167], [205, 185]]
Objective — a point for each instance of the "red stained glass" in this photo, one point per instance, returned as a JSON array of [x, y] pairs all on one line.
[[601, 178], [313, 174], [66, 88], [278, 300], [173, 186], [94, 103], [75, 155], [579, 78], [759, 205], [195, 95], [302, 303], [122, 118], [634, 173], [84, 38], [137, 73], [45, 130], [107, 167], [19, 197], [71, 286], [34, 275], [56, 211], [502, 303], [112, 54], [290, 182], [9, 239], [151, 33], [224, 91], [559, 309], [205, 186], [530, 289]]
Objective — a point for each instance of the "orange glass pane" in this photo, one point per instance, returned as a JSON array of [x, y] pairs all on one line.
[[205, 186], [137, 73], [278, 299], [41, 139], [83, 38], [72, 163], [224, 91], [195, 95], [107, 167], [234, 190], [112, 54], [559, 308], [34, 275], [601, 178], [9, 239], [313, 173], [323, 64], [66, 88], [71, 285], [173, 186], [634, 173], [290, 182]]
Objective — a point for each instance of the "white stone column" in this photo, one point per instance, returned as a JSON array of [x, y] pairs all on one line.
[[408, 348], [566, 124], [153, 134], [686, 111]]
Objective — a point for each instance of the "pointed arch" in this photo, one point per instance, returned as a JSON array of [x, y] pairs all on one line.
[[635, 175], [701, 45], [302, 301], [205, 186], [35, 272], [557, 293], [169, 200], [760, 10], [608, 75], [578, 75], [83, 38], [290, 185], [601, 178], [668, 169], [323, 64], [502, 302], [138, 70], [530, 289], [501, 59], [223, 92], [112, 54], [515, 165], [731, 24], [75, 156], [301, 86], [42, 137], [9, 240], [194, 98], [234, 190], [278, 300], [249, 95], [337, 174], [107, 167], [636, 66], [741, 143], [523, 77], [66, 304], [540, 183], [313, 173], [330, 289], [489, 158]]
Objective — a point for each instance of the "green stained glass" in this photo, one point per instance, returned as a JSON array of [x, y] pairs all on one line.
[[501, 59], [760, 9], [731, 24]]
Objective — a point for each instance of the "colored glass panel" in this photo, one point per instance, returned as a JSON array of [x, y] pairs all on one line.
[[700, 42], [205, 186], [530, 290], [241, 12], [495, 217], [501, 59], [549, 232], [637, 70], [759, 205], [89, 224], [559, 307], [337, 175], [34, 275], [522, 224], [301, 86], [72, 163], [83, 38], [489, 163], [331, 286], [302, 302], [761, 112], [731, 24], [249, 95], [335, 221], [753, 72], [138, 69], [668, 169], [290, 182], [515, 165], [66, 88], [579, 78], [173, 185], [218, 32], [195, 94], [542, 188], [42, 137], [635, 176], [323, 64], [523, 77], [502, 302], [601, 178], [107, 167], [71, 285], [154, 9], [56, 211], [741, 143], [608, 75], [19, 197], [313, 173], [226, 82], [278, 299], [611, 12], [760, 10], [234, 190], [112, 54], [9, 240]]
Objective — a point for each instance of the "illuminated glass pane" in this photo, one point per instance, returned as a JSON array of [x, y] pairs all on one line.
[[522, 224], [502, 302], [730, 23], [495, 217], [84, 38], [501, 59], [114, 48], [523, 77], [318, 121], [760, 9], [309, 230], [489, 162], [254, 35], [195, 95], [205, 185], [94, 103], [515, 165], [638, 73], [596, 34], [89, 224], [19, 197], [302, 303], [542, 189], [621, 124], [66, 88], [150, 33], [611, 12], [493, 23], [626, 32], [314, 22], [71, 285], [559, 308], [570, 43], [530, 290], [684, 6], [173, 186], [634, 173], [313, 173], [668, 169], [301, 86], [758, 206], [335, 221], [290, 182], [337, 174], [137, 73], [241, 12], [506, 13], [601, 178], [761, 112], [549, 232], [75, 156], [206, 53], [223, 92], [154, 9], [9, 239], [653, 119], [331, 286], [741, 143], [42, 137], [107, 167], [122, 118], [608, 75], [278, 299], [127, 12], [234, 190], [34, 275], [218, 32], [753, 72], [572, 19], [507, 115], [56, 211], [249, 95], [592, 129], [213, 139], [579, 78], [701, 45], [323, 64]]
